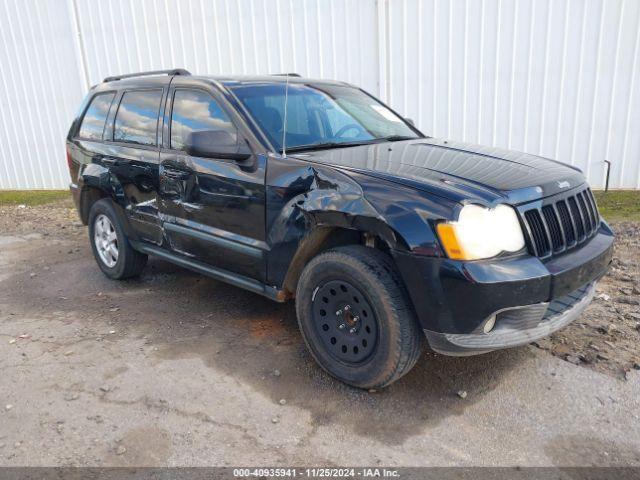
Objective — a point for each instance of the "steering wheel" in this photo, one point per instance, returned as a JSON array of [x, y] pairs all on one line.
[[352, 126]]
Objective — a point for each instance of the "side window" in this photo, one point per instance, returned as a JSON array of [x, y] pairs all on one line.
[[137, 117], [197, 111], [95, 117]]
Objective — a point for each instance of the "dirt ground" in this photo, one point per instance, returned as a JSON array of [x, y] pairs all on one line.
[[606, 337], [177, 369]]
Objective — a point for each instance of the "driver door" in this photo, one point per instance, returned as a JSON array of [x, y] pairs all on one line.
[[213, 209]]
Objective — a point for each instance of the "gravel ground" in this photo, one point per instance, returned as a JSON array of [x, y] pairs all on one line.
[[606, 337], [177, 369]]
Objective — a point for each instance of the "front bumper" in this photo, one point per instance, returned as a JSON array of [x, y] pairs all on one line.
[[529, 298], [517, 326]]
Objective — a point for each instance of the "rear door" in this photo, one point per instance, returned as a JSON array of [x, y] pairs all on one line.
[[132, 155], [213, 208]]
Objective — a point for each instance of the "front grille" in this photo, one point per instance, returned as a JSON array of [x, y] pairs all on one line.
[[561, 224]]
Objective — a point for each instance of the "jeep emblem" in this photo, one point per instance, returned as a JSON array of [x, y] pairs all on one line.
[[564, 184]]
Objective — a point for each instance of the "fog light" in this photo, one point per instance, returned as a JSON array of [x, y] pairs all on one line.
[[489, 324]]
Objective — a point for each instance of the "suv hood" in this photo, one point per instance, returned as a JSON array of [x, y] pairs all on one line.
[[459, 171]]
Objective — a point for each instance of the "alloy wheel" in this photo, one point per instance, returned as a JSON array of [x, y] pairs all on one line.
[[106, 240]]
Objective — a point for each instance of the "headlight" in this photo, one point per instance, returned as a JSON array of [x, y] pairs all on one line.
[[481, 232]]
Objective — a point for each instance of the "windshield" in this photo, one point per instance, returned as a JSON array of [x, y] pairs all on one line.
[[320, 116]]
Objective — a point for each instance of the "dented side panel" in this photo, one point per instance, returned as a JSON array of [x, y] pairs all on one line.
[[127, 175], [304, 198]]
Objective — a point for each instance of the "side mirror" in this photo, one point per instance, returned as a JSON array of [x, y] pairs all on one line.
[[410, 122], [217, 144]]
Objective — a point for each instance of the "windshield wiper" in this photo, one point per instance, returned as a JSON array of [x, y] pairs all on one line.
[[329, 145], [325, 146], [397, 138]]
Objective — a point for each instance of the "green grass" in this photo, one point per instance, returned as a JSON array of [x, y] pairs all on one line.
[[619, 205], [31, 197]]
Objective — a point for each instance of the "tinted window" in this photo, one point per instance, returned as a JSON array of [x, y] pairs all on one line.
[[94, 119], [196, 111], [137, 117]]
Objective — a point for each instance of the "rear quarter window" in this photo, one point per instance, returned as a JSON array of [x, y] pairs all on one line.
[[137, 117], [92, 126]]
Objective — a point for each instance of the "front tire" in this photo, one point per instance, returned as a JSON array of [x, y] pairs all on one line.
[[355, 317], [114, 254]]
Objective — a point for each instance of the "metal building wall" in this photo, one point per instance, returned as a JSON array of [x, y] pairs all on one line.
[[552, 77], [40, 89], [324, 38], [557, 78]]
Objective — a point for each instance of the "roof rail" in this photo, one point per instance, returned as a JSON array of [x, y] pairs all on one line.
[[175, 71], [286, 75]]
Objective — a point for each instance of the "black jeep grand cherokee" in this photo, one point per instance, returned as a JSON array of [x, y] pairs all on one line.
[[382, 235]]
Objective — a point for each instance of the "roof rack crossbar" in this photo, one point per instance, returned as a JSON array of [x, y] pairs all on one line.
[[286, 75], [175, 71]]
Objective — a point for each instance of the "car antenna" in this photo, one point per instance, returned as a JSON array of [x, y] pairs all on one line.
[[284, 126]]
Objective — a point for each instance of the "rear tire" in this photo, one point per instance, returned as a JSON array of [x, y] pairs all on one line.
[[114, 254], [355, 316]]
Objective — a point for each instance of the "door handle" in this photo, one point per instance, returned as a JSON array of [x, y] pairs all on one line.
[[174, 169], [175, 174], [112, 162]]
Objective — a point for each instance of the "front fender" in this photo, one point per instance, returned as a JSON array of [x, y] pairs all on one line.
[[322, 200], [306, 200], [411, 213]]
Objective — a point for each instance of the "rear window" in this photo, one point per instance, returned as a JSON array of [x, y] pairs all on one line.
[[137, 117], [96, 116]]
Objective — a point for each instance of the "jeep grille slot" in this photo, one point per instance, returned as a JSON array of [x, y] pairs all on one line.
[[567, 223], [554, 227], [560, 224], [591, 203], [538, 232], [577, 218], [588, 209]]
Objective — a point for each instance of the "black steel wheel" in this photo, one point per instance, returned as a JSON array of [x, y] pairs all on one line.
[[356, 318], [345, 321]]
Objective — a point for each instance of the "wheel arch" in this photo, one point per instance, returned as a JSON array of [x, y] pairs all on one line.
[[89, 196], [95, 183], [323, 237]]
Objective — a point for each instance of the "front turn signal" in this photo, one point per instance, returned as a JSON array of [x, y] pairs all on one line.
[[447, 234]]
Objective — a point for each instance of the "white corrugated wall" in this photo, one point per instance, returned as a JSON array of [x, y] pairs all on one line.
[[557, 78], [40, 89]]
